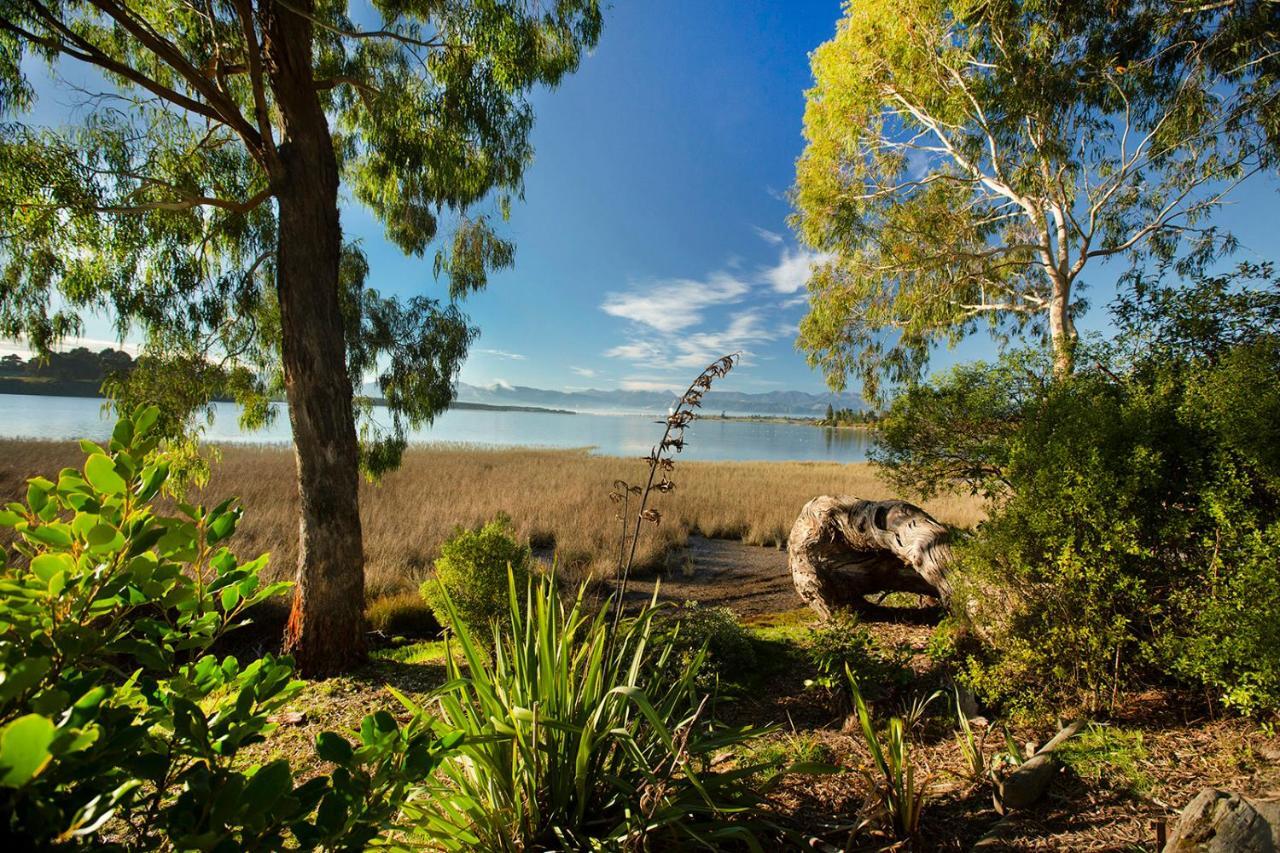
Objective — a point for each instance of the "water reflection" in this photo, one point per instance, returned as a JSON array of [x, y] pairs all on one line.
[[615, 435]]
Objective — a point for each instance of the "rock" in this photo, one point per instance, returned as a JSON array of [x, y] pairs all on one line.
[[1223, 822]]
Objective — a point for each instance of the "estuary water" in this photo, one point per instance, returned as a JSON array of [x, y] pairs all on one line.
[[30, 416]]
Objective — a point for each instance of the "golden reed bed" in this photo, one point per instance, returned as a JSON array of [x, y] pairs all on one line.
[[558, 499]]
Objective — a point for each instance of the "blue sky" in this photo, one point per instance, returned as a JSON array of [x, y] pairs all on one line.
[[653, 235]]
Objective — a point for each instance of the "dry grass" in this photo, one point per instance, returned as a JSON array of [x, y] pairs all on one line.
[[557, 499]]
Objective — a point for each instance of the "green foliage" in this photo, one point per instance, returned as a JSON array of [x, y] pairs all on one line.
[[967, 162], [971, 747], [729, 651], [154, 198], [1132, 530], [842, 644], [113, 709], [470, 584], [579, 737], [1108, 753], [899, 798]]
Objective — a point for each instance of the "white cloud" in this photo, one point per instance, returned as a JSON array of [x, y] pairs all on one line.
[[498, 353], [19, 346], [696, 350], [500, 385], [791, 272], [773, 238], [647, 385], [668, 332], [676, 304], [583, 371]]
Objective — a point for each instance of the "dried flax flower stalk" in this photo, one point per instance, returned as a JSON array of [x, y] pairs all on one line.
[[660, 460]]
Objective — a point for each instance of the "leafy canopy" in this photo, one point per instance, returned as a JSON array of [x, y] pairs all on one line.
[[966, 162], [154, 203]]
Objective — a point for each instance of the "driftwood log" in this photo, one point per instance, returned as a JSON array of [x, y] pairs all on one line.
[[842, 549], [1024, 787]]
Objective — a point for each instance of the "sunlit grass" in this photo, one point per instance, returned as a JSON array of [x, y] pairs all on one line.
[[556, 499]]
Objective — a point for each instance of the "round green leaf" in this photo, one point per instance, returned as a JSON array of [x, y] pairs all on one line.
[[100, 471], [45, 566], [24, 749]]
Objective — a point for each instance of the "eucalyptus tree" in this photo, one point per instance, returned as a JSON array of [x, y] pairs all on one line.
[[195, 196], [969, 161]]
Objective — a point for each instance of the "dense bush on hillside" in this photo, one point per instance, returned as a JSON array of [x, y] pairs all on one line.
[[118, 728], [1134, 526]]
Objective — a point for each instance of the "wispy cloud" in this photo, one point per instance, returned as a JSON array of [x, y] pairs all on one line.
[[583, 371], [773, 238], [676, 304], [791, 272], [499, 353], [693, 350], [668, 332]]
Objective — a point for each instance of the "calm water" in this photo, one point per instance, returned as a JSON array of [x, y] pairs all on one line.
[[613, 435]]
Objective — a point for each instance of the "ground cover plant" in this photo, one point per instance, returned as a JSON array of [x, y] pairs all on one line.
[[579, 735]]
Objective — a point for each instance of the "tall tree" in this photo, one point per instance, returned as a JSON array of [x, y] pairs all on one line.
[[198, 200], [968, 161]]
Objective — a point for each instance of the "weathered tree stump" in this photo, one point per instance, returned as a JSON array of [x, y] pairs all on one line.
[[842, 549]]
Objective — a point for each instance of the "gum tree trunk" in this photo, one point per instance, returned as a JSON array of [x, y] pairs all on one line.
[[326, 625], [1062, 328]]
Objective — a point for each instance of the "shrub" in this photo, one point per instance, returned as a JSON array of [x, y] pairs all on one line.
[[471, 573], [112, 712], [1134, 516], [898, 797], [730, 653], [577, 737], [843, 644]]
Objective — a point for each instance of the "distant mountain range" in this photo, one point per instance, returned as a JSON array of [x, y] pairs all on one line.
[[796, 403]]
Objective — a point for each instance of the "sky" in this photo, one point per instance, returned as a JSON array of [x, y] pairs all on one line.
[[652, 237]]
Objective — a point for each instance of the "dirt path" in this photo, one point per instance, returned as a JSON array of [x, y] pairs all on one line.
[[751, 580]]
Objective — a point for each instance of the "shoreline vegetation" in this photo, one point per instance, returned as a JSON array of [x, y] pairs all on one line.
[[557, 499]]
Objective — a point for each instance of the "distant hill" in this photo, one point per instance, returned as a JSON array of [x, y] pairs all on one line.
[[795, 403], [80, 372]]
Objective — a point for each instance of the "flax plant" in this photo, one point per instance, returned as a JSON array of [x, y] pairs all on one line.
[[660, 459], [577, 737], [899, 796]]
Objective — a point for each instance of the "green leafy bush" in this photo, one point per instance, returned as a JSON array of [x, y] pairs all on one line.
[[116, 724], [578, 737], [841, 645], [471, 573], [730, 653], [1134, 517]]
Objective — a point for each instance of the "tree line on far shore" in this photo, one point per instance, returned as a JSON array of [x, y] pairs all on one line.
[[79, 372]]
